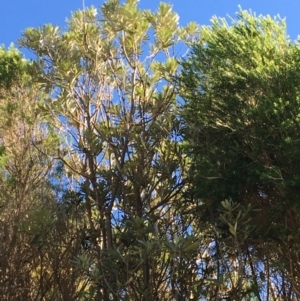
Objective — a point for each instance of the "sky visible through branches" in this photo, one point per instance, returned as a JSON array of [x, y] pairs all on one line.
[[17, 15]]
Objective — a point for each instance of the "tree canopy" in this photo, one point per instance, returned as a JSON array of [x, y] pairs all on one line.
[[241, 85], [141, 160]]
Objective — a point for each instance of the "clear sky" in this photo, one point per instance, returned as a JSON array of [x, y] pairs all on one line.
[[16, 15]]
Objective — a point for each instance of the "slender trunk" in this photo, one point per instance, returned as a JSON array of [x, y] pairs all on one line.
[[255, 278], [146, 266]]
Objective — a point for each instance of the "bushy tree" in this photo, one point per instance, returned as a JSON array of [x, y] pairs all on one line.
[[26, 165], [241, 90], [110, 79]]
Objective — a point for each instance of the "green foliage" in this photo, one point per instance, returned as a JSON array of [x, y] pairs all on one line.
[[12, 67], [107, 193], [242, 83], [241, 90], [110, 79]]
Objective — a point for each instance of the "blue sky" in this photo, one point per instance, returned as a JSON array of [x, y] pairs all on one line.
[[16, 15]]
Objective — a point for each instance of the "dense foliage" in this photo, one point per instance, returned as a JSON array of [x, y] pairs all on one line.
[[141, 160], [241, 83]]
